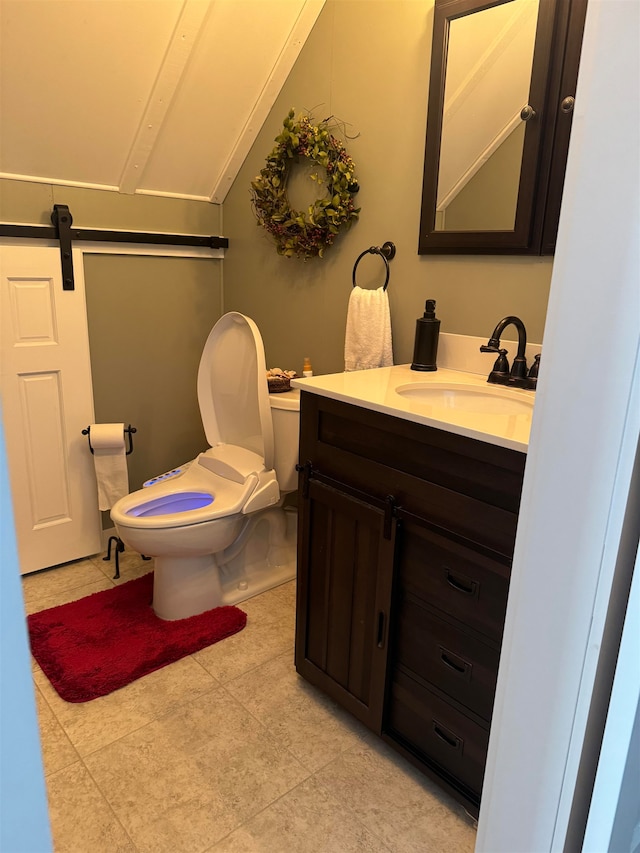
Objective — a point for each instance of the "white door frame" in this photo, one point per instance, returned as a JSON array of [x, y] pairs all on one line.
[[581, 454]]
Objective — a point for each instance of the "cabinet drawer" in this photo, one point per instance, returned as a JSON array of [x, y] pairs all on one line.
[[463, 583], [453, 661], [456, 744], [341, 438]]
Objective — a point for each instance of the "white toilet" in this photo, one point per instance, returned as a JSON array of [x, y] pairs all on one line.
[[216, 526]]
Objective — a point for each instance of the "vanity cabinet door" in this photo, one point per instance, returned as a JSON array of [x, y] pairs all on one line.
[[345, 564]]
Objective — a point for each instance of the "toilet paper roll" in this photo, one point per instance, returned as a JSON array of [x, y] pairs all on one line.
[[109, 456]]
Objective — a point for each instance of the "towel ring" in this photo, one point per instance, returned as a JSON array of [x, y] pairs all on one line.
[[387, 252]]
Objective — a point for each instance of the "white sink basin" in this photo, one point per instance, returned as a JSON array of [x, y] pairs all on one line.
[[473, 399]]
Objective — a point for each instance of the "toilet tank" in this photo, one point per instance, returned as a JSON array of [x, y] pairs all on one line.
[[285, 414]]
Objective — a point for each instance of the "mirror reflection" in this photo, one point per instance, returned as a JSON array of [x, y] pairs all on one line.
[[488, 74]]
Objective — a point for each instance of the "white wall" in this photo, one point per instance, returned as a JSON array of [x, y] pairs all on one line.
[[614, 818], [24, 823], [583, 444]]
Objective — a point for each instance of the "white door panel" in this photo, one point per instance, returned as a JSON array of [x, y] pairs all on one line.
[[47, 402]]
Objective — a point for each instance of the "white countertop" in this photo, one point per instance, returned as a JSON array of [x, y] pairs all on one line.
[[376, 390]]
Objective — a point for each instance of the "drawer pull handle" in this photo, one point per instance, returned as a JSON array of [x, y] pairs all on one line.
[[458, 585], [380, 639], [448, 737], [454, 662]]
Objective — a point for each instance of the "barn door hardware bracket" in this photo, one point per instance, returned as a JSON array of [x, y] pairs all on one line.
[[306, 470], [390, 509], [62, 221]]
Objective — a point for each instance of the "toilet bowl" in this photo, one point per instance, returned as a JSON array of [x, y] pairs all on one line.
[[216, 525]]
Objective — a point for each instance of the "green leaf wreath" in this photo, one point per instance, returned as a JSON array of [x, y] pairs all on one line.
[[305, 233]]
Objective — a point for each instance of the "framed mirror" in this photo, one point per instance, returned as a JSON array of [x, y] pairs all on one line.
[[497, 71]]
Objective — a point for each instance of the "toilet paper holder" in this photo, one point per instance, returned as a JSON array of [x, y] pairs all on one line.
[[128, 430], [119, 544]]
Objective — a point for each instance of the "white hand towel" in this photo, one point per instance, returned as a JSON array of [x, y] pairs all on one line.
[[109, 457], [368, 336]]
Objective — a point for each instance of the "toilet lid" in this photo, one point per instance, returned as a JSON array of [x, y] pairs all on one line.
[[232, 388]]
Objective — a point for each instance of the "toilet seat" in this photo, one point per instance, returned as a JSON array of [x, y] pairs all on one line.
[[235, 475], [171, 504], [226, 498]]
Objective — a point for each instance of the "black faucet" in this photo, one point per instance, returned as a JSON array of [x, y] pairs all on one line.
[[501, 375]]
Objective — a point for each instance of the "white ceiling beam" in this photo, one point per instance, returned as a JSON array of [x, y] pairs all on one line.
[[298, 35], [184, 38]]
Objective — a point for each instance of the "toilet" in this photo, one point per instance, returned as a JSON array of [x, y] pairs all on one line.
[[217, 526]]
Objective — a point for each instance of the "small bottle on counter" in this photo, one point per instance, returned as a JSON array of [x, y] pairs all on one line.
[[306, 367], [425, 349]]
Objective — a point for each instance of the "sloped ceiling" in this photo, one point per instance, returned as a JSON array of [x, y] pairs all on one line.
[[161, 97]]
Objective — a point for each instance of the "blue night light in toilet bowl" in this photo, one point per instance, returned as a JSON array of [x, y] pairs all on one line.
[[216, 526]]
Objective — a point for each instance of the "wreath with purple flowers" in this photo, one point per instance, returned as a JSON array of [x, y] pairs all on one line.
[[305, 233]]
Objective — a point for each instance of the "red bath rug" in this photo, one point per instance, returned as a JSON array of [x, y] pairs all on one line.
[[96, 645]]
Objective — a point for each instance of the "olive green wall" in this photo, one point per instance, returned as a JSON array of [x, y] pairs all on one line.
[[148, 317], [148, 321], [367, 63]]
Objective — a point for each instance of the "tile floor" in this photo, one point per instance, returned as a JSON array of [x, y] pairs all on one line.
[[227, 750]]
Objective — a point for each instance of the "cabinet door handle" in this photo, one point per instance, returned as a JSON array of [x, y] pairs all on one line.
[[447, 736], [381, 624], [459, 585], [567, 105], [454, 662]]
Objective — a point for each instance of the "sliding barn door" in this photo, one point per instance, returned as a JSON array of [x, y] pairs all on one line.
[[46, 403]]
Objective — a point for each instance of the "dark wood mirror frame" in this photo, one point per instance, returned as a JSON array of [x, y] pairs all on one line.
[[556, 56]]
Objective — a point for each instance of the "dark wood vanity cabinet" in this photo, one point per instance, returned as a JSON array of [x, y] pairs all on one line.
[[405, 543]]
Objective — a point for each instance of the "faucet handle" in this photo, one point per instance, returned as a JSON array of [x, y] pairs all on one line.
[[492, 345], [532, 375], [500, 372]]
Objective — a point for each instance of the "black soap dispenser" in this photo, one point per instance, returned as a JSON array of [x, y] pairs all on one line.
[[425, 349]]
